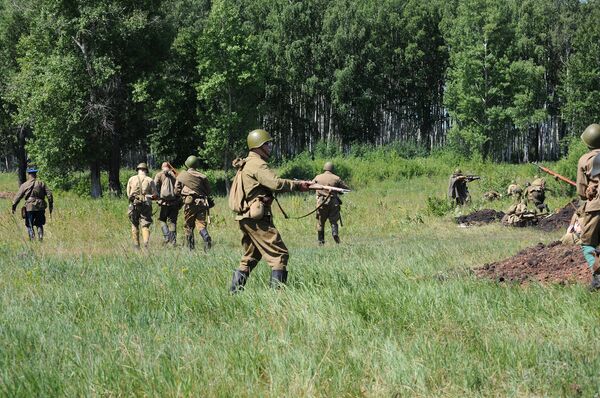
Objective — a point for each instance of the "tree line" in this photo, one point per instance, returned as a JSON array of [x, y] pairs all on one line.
[[84, 82]]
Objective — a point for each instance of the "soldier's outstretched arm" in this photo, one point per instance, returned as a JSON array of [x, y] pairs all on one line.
[[267, 178], [19, 195]]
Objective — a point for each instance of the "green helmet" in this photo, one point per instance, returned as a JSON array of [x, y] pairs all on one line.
[[192, 162], [142, 166], [458, 171], [595, 166], [256, 138], [328, 166], [591, 136]]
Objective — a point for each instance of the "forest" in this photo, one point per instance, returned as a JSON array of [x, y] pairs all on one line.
[[95, 86]]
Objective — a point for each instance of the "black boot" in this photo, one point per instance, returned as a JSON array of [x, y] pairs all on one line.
[[278, 278], [166, 233], [206, 238], [40, 231], [239, 281], [190, 242], [335, 233], [321, 237], [31, 233], [595, 285], [173, 237]]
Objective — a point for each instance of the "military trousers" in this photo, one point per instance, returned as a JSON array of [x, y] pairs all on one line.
[[330, 211], [194, 216], [168, 215], [260, 239], [140, 215]]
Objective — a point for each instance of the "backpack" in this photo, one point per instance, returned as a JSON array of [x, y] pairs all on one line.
[[237, 197], [167, 189]]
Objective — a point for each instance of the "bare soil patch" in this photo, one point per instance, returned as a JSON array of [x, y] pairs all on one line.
[[484, 216]]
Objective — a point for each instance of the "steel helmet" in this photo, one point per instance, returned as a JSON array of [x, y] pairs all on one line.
[[591, 136], [192, 162], [257, 138], [143, 166], [328, 166]]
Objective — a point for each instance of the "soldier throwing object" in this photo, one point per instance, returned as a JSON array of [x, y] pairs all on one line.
[[193, 187], [169, 202], [260, 238], [328, 203], [35, 193], [140, 191]]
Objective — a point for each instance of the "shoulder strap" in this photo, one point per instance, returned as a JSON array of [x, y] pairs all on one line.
[[28, 194]]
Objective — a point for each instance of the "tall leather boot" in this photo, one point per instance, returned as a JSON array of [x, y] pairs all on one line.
[[135, 235], [166, 232], [31, 233], [189, 240], [146, 236], [173, 238], [278, 278], [335, 232], [206, 238], [321, 237], [40, 232], [239, 281]]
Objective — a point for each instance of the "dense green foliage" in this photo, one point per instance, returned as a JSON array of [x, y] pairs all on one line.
[[84, 83]]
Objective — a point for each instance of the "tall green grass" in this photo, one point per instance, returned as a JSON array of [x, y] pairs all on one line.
[[392, 311]]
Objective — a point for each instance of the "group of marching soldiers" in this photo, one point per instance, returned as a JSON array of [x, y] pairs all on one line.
[[254, 189]]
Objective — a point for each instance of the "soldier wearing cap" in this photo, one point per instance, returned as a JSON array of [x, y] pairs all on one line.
[[536, 193], [194, 189], [588, 177], [169, 202], [260, 238], [328, 203], [140, 192], [35, 193]]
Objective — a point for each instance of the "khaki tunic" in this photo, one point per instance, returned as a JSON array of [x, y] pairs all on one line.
[[194, 188], [260, 238], [140, 206], [328, 204], [36, 200], [589, 212]]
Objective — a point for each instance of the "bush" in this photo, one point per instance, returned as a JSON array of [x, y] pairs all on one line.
[[438, 206]]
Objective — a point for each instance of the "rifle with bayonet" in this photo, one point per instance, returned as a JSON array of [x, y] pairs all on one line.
[[555, 175]]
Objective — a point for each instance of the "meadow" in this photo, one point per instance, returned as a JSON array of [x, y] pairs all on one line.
[[392, 311]]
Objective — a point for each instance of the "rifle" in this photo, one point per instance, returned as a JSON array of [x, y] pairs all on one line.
[[319, 187], [173, 169], [555, 175], [472, 178]]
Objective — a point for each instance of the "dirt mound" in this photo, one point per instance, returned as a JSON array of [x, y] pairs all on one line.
[[7, 195], [560, 219], [552, 263], [484, 216]]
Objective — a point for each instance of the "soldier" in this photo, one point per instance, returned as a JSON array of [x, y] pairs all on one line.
[[589, 211], [457, 187], [514, 191], [490, 196], [140, 192], [260, 238], [169, 202], [536, 193], [35, 193], [328, 203], [194, 189]]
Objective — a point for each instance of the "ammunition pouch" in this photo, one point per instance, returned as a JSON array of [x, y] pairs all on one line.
[[257, 209]]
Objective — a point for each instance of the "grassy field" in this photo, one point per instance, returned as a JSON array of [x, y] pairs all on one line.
[[392, 311]]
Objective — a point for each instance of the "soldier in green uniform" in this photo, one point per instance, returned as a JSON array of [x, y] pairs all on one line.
[[35, 193], [458, 191], [587, 188], [194, 189], [514, 191], [328, 203], [169, 202], [140, 192], [536, 193], [260, 238]]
